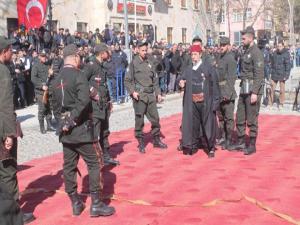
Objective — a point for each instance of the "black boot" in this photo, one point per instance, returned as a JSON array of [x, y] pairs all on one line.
[[157, 143], [42, 126], [108, 160], [141, 145], [211, 152], [99, 208], [77, 204], [28, 218], [239, 146], [50, 126], [252, 147]]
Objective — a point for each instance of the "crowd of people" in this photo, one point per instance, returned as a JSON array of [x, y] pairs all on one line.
[[76, 79]]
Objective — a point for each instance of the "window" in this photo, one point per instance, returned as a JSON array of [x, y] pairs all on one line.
[[248, 14], [170, 35], [237, 38], [183, 3], [220, 16], [221, 34], [81, 27], [196, 4], [237, 15], [207, 6], [117, 26], [184, 35]]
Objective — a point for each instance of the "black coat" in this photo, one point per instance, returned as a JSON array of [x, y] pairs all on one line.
[[281, 65], [72, 92], [211, 102]]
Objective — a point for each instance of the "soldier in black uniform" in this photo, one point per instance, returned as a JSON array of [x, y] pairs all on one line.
[[102, 105], [141, 82], [40, 75], [77, 133], [8, 144], [252, 76], [226, 67]]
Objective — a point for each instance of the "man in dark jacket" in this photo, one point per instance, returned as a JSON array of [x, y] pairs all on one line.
[[141, 82], [252, 77], [77, 133], [8, 142], [226, 67], [96, 74], [175, 64], [40, 75], [200, 102], [281, 68]]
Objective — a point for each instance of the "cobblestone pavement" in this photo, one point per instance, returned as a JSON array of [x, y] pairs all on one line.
[[35, 145]]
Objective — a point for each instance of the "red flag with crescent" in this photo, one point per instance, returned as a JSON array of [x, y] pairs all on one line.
[[32, 13]]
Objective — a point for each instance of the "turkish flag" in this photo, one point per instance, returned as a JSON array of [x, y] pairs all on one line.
[[32, 13]]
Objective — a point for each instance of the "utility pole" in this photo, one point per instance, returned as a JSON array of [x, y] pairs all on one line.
[[127, 49], [50, 15]]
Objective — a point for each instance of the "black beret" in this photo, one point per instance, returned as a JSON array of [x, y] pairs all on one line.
[[224, 41], [5, 42]]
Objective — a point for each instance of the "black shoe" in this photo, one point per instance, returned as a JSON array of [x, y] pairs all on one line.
[[211, 154], [42, 126], [50, 126], [28, 218], [98, 208], [77, 204], [107, 159], [193, 151], [110, 161], [141, 145], [251, 149], [239, 146], [157, 143]]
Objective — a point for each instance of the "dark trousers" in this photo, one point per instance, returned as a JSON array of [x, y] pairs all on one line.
[[43, 109], [10, 213], [102, 127], [227, 119], [92, 155], [8, 172], [148, 108], [247, 113]]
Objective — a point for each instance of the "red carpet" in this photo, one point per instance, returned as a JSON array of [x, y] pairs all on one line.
[[168, 188]]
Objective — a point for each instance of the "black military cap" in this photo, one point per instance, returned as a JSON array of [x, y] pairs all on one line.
[[224, 41], [70, 50], [197, 38], [61, 28], [5, 42], [43, 52], [101, 48], [248, 30], [142, 43]]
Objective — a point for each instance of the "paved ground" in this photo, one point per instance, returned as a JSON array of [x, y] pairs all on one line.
[[35, 145]]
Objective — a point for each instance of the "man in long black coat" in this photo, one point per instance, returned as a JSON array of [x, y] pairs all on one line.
[[200, 102]]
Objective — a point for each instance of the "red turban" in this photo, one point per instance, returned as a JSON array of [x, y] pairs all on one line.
[[196, 48]]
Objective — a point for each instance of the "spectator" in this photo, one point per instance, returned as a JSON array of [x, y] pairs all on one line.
[[281, 68]]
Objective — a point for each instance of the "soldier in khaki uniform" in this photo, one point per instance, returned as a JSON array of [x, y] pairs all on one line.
[[141, 82], [226, 67], [252, 76]]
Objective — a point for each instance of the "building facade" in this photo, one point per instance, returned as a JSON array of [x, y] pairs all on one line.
[[172, 20]]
